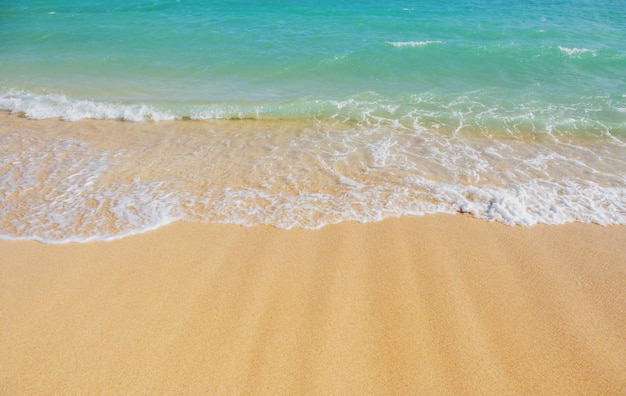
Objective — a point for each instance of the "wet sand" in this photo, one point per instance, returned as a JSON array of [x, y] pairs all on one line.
[[437, 304]]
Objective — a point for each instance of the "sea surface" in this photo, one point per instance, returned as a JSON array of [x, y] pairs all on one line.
[[122, 116]]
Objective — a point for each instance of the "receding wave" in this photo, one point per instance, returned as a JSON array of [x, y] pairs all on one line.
[[112, 179]]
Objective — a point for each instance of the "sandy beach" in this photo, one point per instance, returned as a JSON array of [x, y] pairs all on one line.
[[417, 305], [312, 198]]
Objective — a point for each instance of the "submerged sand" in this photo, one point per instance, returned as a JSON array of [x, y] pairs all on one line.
[[417, 305]]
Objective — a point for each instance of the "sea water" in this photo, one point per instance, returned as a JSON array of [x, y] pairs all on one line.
[[302, 114]]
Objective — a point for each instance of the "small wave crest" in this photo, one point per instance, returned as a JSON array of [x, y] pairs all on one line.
[[46, 106], [42, 106], [576, 52], [400, 44]]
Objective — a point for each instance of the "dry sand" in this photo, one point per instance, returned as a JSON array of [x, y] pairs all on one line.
[[417, 305]]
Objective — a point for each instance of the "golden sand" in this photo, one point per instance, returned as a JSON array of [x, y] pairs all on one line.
[[418, 305]]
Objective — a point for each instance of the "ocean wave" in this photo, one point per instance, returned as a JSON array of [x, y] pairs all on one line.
[[43, 106], [471, 111]]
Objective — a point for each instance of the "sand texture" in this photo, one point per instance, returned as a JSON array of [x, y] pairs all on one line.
[[418, 305]]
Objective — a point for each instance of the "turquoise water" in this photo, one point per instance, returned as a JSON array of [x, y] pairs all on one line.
[[416, 76], [560, 61]]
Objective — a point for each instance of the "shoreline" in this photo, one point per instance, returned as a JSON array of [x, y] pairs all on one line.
[[429, 305]]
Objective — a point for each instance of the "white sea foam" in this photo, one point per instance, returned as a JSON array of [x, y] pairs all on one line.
[[145, 207], [399, 44], [575, 52]]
